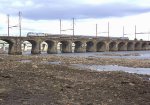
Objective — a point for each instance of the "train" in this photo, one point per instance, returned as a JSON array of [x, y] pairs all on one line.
[[32, 34], [36, 34]]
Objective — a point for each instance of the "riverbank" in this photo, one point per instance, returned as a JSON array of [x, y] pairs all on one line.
[[30, 80]]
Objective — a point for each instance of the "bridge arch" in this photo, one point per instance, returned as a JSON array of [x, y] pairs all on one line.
[[64, 46], [79, 46], [130, 46], [43, 47], [6, 46], [50, 47], [144, 46], [148, 46], [101, 46], [26, 47], [112, 46], [137, 46], [89, 46], [30, 46], [122, 46]]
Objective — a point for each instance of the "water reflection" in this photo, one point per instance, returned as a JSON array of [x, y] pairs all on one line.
[[113, 68], [121, 54]]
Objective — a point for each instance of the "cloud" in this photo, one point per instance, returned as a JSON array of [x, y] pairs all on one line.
[[1, 27], [84, 11], [66, 9]]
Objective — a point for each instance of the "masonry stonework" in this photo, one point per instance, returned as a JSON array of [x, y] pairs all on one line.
[[74, 44]]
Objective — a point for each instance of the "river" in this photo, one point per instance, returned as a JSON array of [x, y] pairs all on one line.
[[121, 54]]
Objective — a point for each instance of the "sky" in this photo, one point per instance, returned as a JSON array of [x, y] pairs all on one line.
[[42, 16]]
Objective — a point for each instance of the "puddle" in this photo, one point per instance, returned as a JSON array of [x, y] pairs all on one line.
[[25, 61], [113, 68], [47, 62]]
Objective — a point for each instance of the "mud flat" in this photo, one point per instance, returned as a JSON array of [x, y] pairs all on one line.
[[30, 80]]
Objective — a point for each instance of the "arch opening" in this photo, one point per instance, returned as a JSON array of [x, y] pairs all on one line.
[[5, 46], [77, 46], [112, 46], [130, 46], [89, 46], [50, 47], [73, 47], [63, 47], [121, 46], [43, 47], [27, 46], [101, 46], [144, 46], [137, 46], [148, 46]]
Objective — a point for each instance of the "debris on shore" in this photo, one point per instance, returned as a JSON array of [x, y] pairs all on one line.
[[34, 83]]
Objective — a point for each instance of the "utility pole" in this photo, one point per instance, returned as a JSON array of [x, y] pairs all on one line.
[[148, 37], [96, 30], [20, 23], [135, 32], [108, 29], [73, 27], [8, 23], [123, 32], [60, 26]]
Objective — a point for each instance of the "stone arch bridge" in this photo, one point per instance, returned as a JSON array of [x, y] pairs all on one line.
[[81, 44]]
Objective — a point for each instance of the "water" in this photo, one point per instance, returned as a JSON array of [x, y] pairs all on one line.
[[113, 68], [46, 62], [105, 67], [99, 67], [25, 61], [121, 54]]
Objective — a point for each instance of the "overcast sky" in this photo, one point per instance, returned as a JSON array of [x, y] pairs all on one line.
[[43, 16]]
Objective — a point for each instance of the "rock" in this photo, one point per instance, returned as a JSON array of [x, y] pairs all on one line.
[[2, 90], [131, 84], [1, 59], [35, 66], [124, 82]]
